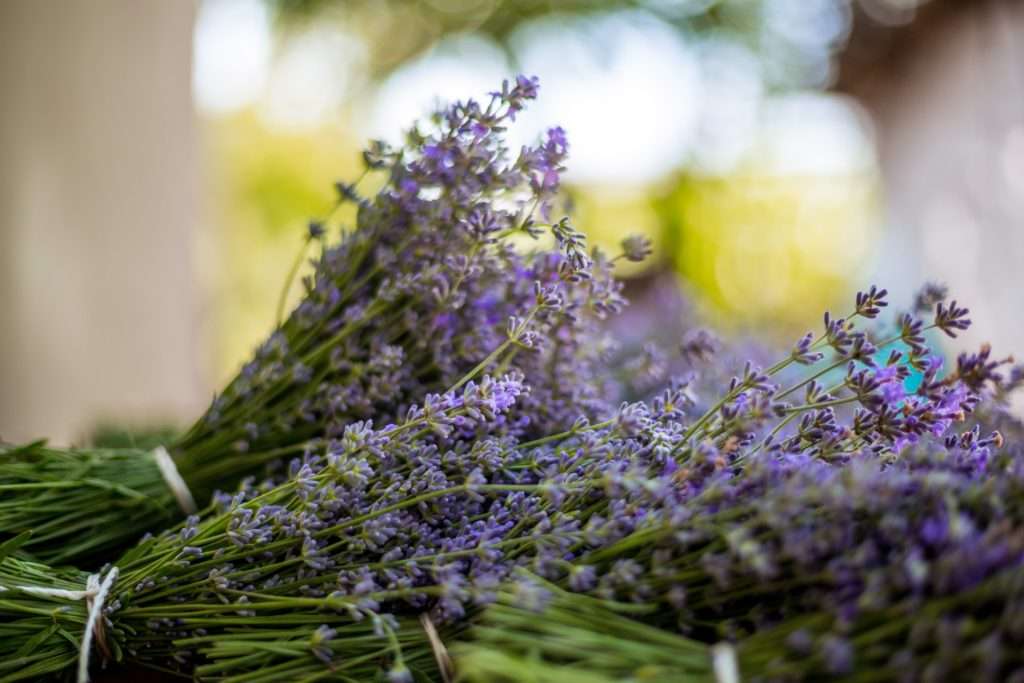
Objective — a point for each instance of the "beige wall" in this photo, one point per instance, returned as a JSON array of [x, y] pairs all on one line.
[[98, 204]]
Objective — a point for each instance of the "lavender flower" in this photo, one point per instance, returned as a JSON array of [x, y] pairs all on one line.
[[871, 302], [929, 295], [951, 318], [636, 248]]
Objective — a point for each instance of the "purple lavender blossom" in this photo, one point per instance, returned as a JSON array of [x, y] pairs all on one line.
[[416, 295], [950, 318]]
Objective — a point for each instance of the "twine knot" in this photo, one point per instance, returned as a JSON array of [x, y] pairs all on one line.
[[174, 480], [95, 594]]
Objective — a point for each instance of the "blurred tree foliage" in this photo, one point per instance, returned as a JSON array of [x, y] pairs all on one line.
[[267, 183], [125, 436], [750, 242], [398, 31], [754, 243]]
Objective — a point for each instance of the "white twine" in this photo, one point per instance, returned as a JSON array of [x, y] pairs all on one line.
[[98, 596], [174, 481], [723, 662], [50, 592], [441, 656], [95, 594]]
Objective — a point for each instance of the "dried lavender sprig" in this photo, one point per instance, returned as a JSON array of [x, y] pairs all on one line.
[[752, 400], [837, 334]]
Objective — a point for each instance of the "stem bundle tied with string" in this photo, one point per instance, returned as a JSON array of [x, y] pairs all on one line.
[[325, 575], [410, 299]]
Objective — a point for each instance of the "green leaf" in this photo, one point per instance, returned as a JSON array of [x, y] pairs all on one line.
[[35, 641], [15, 451], [11, 545]]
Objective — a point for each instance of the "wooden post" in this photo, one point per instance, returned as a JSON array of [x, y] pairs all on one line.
[[98, 204]]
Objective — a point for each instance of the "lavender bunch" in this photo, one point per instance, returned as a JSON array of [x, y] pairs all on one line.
[[432, 514], [322, 575], [905, 572], [868, 415], [687, 546], [423, 289]]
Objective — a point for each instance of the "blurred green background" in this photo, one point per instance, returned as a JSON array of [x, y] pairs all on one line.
[[780, 153], [709, 126]]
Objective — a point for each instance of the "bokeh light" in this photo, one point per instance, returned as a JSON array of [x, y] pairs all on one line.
[[699, 124], [791, 227], [233, 47]]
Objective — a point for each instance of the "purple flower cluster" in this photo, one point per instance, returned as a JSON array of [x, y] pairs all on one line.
[[426, 286], [856, 395], [833, 566]]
